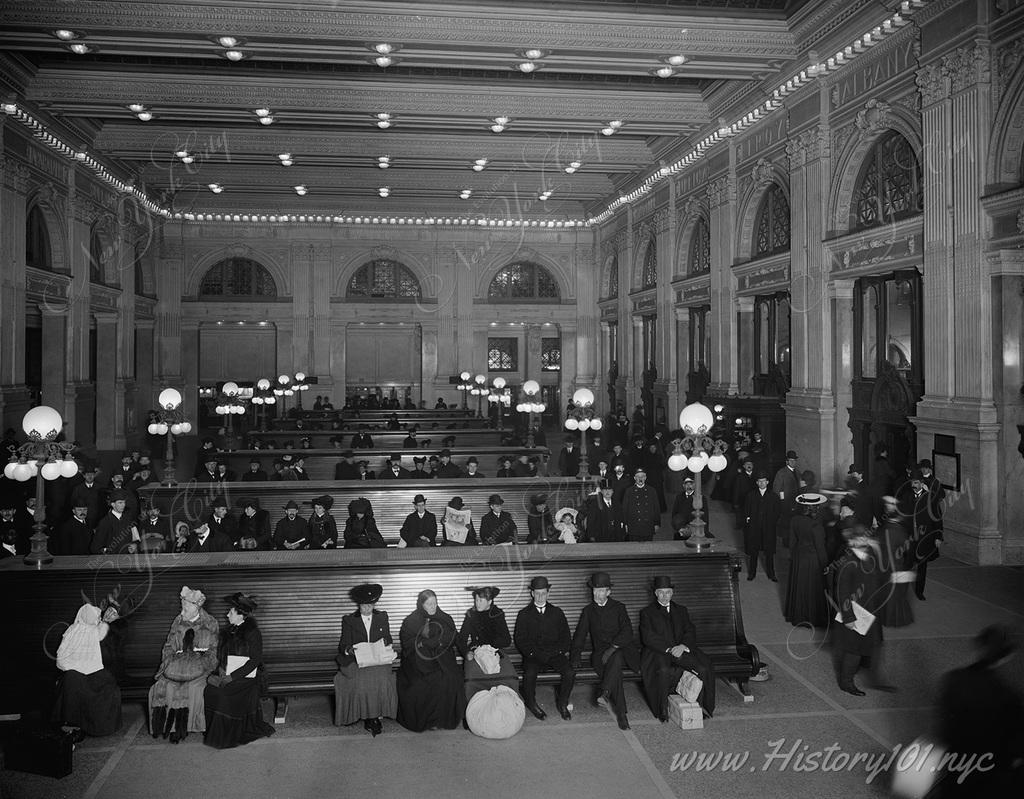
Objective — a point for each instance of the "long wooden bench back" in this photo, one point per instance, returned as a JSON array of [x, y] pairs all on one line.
[[391, 499], [303, 595], [403, 415], [429, 440], [320, 462]]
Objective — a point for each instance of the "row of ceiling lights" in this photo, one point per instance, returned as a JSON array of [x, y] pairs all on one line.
[[383, 54], [310, 219], [383, 191]]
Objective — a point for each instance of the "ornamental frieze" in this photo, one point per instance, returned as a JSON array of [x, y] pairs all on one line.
[[767, 277], [721, 190], [873, 251], [893, 58]]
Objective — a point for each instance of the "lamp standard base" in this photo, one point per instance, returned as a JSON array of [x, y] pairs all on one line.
[[39, 554], [700, 542]]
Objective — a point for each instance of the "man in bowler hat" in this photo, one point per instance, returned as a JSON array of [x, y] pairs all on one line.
[[669, 642], [542, 637], [498, 526], [607, 623], [420, 527]]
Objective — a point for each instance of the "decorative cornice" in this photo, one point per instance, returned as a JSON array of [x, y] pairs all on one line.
[[967, 67]]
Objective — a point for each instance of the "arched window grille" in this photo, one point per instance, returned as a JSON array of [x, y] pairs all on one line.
[[700, 247], [613, 278], [384, 279], [772, 223], [890, 186], [523, 280], [649, 275], [238, 277]]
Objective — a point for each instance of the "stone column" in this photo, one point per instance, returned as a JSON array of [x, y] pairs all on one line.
[[55, 339], [585, 341], [189, 380], [722, 201], [745, 337], [568, 381], [339, 353], [14, 399], [841, 298], [682, 360], [434, 384], [636, 340], [145, 389], [107, 437]]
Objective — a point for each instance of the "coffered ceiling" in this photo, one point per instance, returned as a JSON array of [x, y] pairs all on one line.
[[561, 84]]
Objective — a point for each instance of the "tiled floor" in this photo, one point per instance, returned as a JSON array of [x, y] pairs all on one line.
[[777, 744]]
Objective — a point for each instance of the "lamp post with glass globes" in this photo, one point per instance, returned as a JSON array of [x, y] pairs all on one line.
[[479, 390], [298, 386], [531, 404], [501, 399], [261, 398], [583, 417], [697, 450], [170, 422], [465, 387], [41, 457], [283, 389], [229, 404]]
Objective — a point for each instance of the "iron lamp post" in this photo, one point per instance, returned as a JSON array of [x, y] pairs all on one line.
[[697, 450]]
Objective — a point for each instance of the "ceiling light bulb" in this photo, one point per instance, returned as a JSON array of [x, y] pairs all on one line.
[[234, 55], [615, 124], [481, 161], [145, 116], [383, 124], [383, 115], [383, 48], [676, 60], [79, 49], [534, 54], [384, 191], [262, 112], [181, 154], [266, 120], [216, 188], [527, 67], [478, 167], [383, 61], [300, 189], [383, 164], [228, 41], [287, 162], [502, 120], [65, 35], [285, 156], [135, 108], [575, 164], [497, 128], [608, 131], [187, 159], [664, 72]]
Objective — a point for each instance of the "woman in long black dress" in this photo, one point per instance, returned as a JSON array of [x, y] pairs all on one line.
[[363, 691], [430, 691], [805, 591], [232, 696], [89, 702], [485, 633], [361, 528]]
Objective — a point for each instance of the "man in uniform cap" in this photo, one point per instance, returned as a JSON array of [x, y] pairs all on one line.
[[607, 623], [498, 526], [420, 527], [640, 508], [542, 637], [669, 642]]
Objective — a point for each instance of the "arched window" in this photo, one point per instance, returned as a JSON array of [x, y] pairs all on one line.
[[238, 277], [523, 280], [384, 279], [37, 240], [890, 185], [613, 278], [772, 223], [700, 247], [649, 275], [95, 258]]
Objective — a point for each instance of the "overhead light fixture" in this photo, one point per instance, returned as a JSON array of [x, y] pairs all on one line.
[[612, 128], [383, 161], [533, 54], [285, 159], [383, 61], [80, 49], [384, 191], [676, 60], [465, 194], [479, 164], [65, 35], [664, 72], [228, 41], [145, 116], [384, 48], [136, 108], [181, 153], [301, 190], [216, 188], [187, 159], [262, 112], [573, 166], [544, 195], [234, 55], [500, 123], [526, 67], [384, 120]]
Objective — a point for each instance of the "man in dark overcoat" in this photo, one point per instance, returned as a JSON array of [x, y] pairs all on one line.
[[640, 508], [420, 527], [760, 519], [602, 516], [923, 511], [543, 639]]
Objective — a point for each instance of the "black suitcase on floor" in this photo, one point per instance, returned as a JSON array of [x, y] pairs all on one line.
[[39, 752]]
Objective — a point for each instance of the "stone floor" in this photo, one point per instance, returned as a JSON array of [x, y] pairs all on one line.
[[775, 746]]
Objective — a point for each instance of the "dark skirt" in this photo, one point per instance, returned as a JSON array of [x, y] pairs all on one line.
[[476, 680], [89, 701], [805, 590], [431, 700], [233, 714], [897, 611], [367, 693]]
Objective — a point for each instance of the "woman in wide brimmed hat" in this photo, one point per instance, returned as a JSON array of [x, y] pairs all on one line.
[[323, 530], [805, 590], [364, 691], [565, 524], [483, 639], [361, 528], [189, 656], [233, 713]]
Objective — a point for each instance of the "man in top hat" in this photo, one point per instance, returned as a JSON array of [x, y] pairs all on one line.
[[418, 471], [410, 441], [206, 471], [253, 529], [420, 527], [542, 637], [74, 536], [669, 642], [760, 521], [471, 468], [394, 470], [156, 531], [641, 511], [923, 513], [498, 526], [116, 532], [569, 458], [786, 486], [292, 531], [255, 474], [87, 493], [219, 519], [613, 647], [447, 469], [346, 469], [203, 539], [683, 510], [602, 516]]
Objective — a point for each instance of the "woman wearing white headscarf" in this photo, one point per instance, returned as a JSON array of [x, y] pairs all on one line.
[[189, 656], [89, 700]]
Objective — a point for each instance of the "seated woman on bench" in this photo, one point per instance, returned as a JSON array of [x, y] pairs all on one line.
[[483, 639]]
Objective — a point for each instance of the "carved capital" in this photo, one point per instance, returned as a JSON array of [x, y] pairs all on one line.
[[932, 83], [808, 145], [967, 67], [15, 175], [720, 190], [874, 117]]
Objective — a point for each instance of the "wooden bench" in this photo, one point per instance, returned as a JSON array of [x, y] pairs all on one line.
[[430, 441], [391, 499], [404, 416], [303, 595], [320, 462]]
